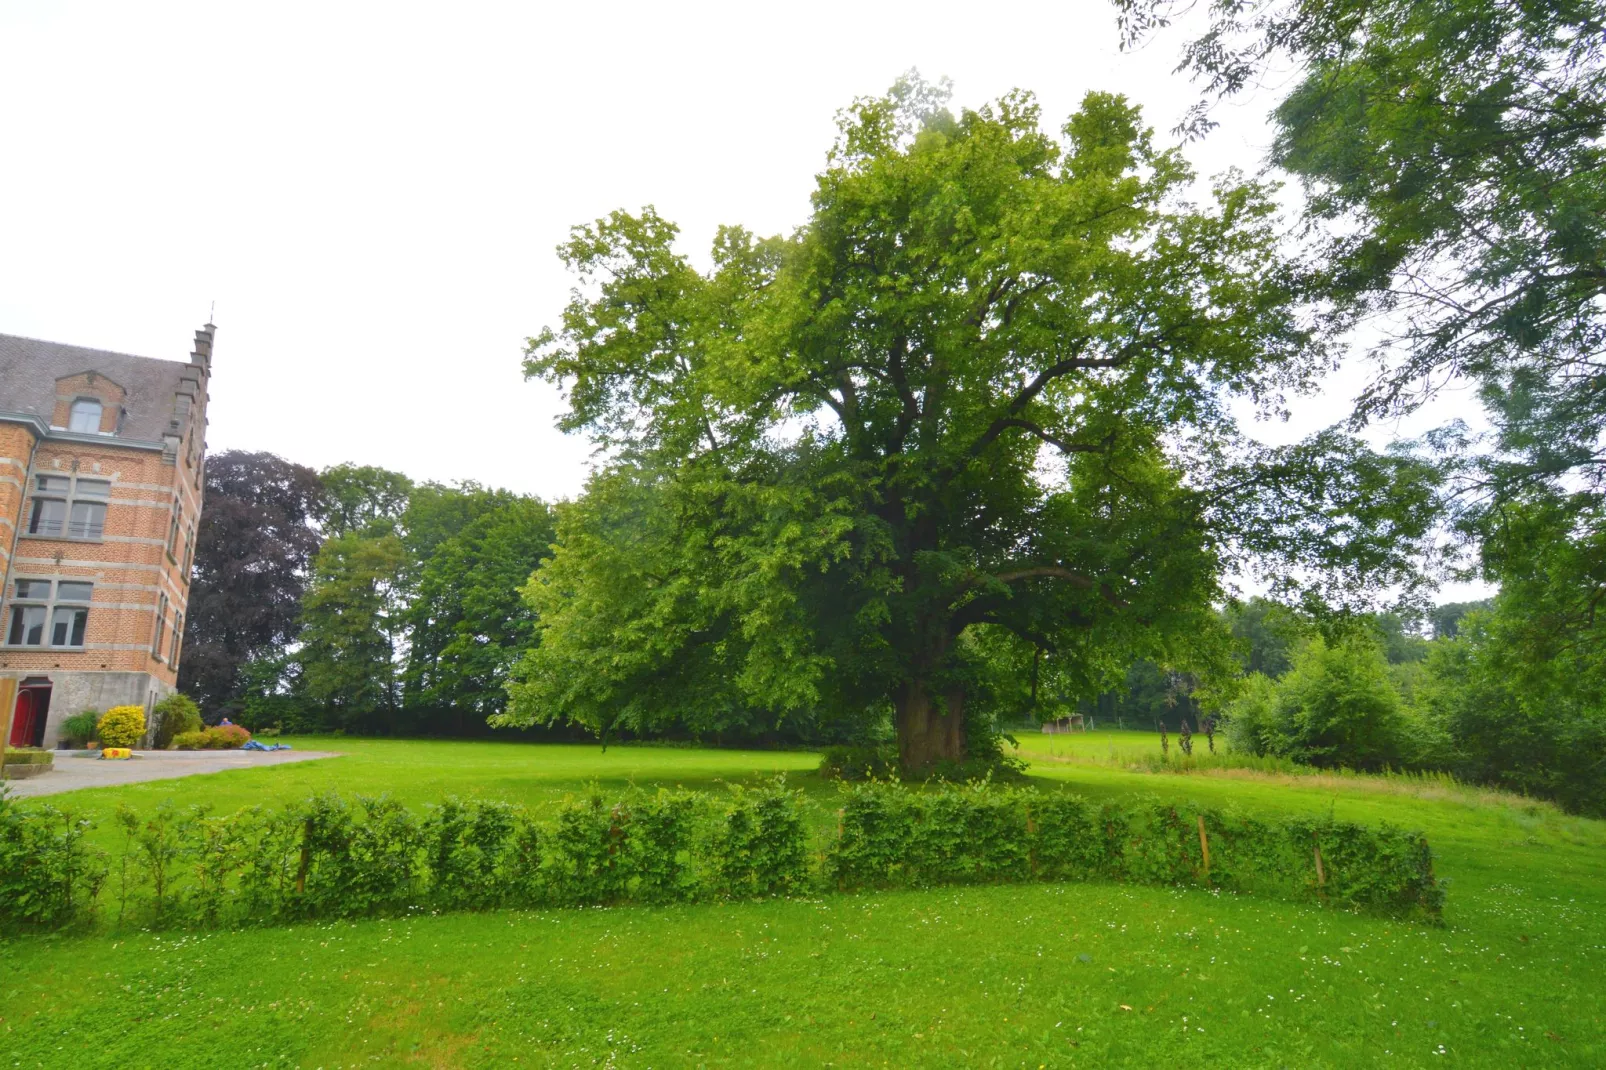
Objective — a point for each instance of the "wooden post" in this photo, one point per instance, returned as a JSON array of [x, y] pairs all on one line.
[[841, 885], [1204, 846], [8, 707], [1321, 877], [306, 857]]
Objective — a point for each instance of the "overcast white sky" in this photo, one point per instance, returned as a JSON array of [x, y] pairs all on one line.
[[372, 192]]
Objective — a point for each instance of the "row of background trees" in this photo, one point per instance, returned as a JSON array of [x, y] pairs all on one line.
[[354, 599], [1459, 689]]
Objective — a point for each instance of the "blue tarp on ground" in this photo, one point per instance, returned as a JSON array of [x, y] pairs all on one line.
[[252, 744]]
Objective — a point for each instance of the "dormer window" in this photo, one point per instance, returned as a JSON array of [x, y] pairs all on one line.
[[85, 416]]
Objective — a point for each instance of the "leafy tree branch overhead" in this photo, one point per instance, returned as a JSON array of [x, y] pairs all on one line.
[[1453, 156], [986, 387]]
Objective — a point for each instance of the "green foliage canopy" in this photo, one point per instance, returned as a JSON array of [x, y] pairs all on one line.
[[1454, 157], [467, 622], [985, 387], [254, 545], [361, 498], [350, 625]]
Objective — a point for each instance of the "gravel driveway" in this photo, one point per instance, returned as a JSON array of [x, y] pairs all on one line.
[[72, 773]]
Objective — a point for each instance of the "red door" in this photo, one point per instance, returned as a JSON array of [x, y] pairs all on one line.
[[28, 719]]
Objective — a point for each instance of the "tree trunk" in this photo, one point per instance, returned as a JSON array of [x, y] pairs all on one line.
[[931, 729]]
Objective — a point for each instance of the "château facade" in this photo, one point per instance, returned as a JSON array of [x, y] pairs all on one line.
[[100, 493]]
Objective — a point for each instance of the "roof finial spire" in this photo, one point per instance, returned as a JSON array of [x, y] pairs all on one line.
[[211, 315]]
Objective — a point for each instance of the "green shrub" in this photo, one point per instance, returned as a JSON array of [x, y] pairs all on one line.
[[174, 715], [587, 860], [49, 874], [329, 858], [1252, 717], [190, 741], [1338, 706], [325, 859], [662, 830], [467, 846], [859, 762], [29, 756], [121, 726], [79, 729], [155, 849], [759, 846], [890, 837]]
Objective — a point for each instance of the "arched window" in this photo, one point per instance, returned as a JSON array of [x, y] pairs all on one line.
[[85, 416]]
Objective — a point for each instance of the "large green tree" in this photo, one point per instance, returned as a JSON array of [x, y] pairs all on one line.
[[362, 498], [1521, 688], [353, 613], [253, 548], [985, 387], [351, 627], [467, 622], [1453, 153]]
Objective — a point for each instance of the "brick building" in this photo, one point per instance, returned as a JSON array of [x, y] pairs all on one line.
[[100, 491]]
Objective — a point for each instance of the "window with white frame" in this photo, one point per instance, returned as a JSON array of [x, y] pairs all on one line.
[[172, 530], [53, 613], [67, 507], [161, 627], [84, 416]]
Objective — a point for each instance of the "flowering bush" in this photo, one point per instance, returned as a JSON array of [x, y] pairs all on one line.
[[226, 737], [121, 726], [219, 737]]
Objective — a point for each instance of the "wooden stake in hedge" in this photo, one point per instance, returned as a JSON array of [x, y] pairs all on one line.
[[306, 857], [841, 885], [1204, 846], [1321, 877]]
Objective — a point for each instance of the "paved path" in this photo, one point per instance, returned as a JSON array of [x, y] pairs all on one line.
[[71, 773]]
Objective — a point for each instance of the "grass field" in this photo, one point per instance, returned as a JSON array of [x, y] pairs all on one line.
[[1058, 975]]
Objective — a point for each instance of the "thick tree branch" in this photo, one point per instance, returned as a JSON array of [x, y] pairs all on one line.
[[910, 411], [1032, 572], [1058, 443]]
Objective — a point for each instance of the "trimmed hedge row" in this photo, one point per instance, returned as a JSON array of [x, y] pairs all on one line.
[[331, 858], [892, 838]]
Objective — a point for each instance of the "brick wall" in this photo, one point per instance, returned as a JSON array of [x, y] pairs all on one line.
[[131, 564], [88, 385], [16, 446], [139, 564]]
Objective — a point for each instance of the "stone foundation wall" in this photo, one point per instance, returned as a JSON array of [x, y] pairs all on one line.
[[74, 692]]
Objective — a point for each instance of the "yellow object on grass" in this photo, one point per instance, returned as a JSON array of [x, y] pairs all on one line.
[[116, 752]]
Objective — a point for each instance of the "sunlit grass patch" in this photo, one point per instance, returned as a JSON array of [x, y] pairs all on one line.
[[998, 975]]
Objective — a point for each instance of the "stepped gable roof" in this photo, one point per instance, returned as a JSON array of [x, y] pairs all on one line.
[[30, 368]]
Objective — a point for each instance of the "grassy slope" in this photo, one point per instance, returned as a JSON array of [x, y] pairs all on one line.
[[1016, 976]]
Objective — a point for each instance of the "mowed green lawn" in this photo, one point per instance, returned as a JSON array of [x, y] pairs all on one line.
[[1056, 975]]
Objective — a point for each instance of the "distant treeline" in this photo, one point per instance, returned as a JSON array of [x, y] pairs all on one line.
[[354, 599]]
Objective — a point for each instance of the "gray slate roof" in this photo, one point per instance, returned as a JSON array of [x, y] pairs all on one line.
[[29, 369]]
